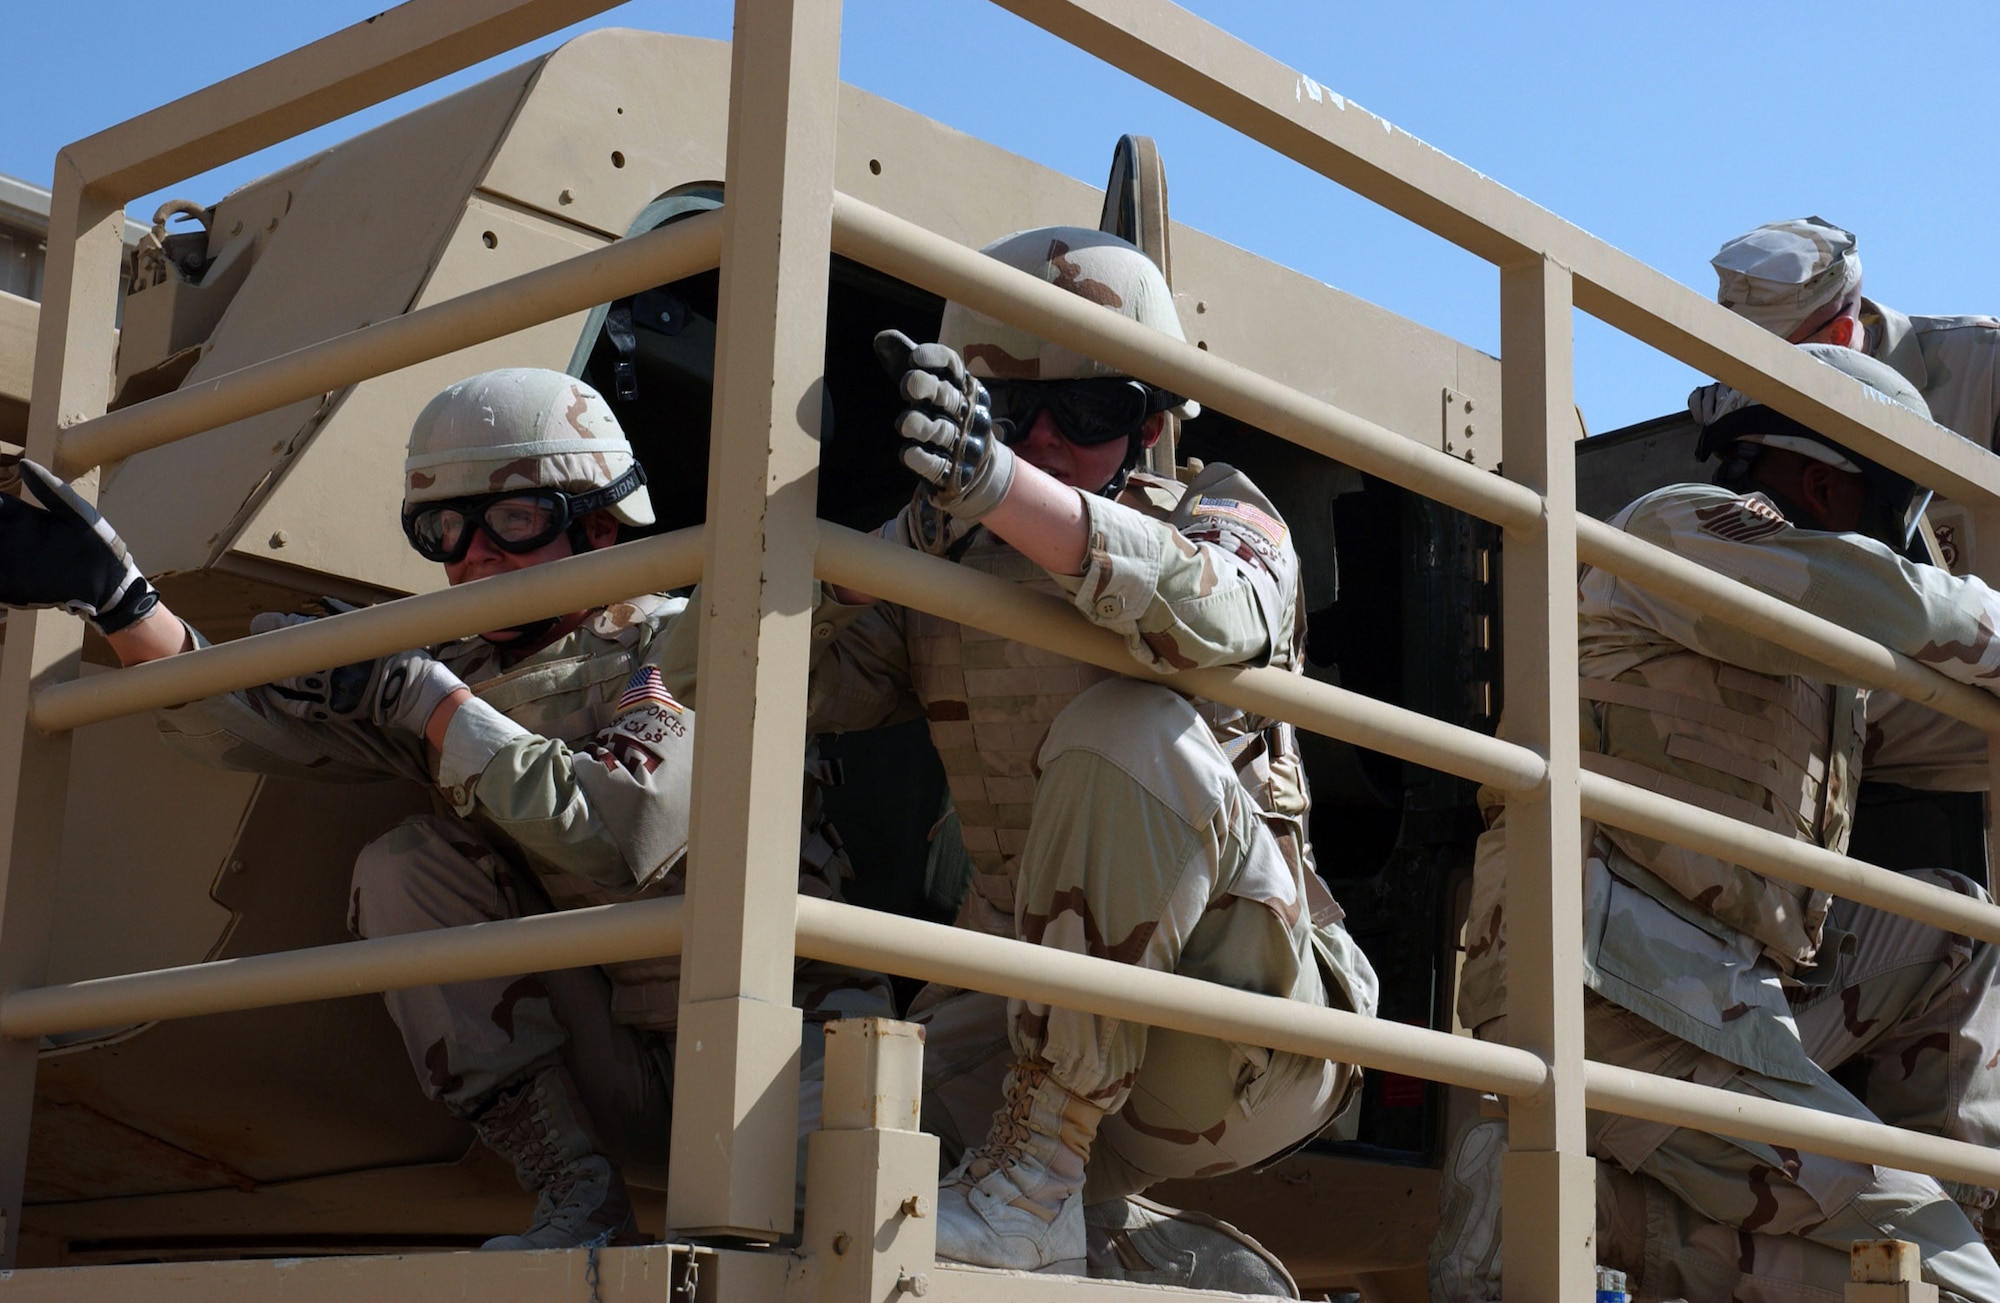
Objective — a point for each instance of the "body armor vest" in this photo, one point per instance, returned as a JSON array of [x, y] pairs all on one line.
[[1776, 751], [990, 701]]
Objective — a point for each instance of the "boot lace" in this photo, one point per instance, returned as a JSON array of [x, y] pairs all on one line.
[[1010, 1133]]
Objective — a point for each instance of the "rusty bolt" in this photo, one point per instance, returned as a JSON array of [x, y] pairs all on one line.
[[840, 1243], [913, 1283], [917, 1205]]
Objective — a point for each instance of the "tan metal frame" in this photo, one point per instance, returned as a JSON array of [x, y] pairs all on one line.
[[735, 1099]]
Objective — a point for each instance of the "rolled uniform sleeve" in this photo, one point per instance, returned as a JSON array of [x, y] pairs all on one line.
[[612, 807], [1211, 583]]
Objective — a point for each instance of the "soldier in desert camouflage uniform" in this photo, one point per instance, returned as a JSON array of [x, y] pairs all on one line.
[[1707, 971], [1802, 280], [1105, 815], [561, 764]]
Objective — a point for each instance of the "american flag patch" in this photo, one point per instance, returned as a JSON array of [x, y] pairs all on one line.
[[645, 686], [1262, 521]]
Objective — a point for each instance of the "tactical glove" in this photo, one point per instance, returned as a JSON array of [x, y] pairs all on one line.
[[396, 692], [949, 427], [67, 555]]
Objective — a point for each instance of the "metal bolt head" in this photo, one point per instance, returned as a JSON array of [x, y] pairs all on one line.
[[840, 1243], [279, 538], [565, 198], [915, 1283], [917, 1205]]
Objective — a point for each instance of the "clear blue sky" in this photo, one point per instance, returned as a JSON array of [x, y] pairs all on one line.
[[1663, 128]]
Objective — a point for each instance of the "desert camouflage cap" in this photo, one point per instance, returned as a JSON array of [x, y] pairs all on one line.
[[1786, 276], [1093, 264], [519, 428]]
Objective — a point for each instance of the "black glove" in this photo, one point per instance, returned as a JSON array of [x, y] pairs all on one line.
[[67, 555], [949, 427], [398, 691]]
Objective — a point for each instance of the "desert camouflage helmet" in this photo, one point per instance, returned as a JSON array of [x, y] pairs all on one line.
[[1729, 418], [1094, 264], [520, 428]]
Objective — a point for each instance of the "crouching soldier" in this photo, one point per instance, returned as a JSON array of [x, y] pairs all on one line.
[[1711, 972], [1106, 816], [559, 761]]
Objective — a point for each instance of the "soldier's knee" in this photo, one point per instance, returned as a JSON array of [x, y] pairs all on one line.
[[393, 870], [1137, 726], [1951, 880]]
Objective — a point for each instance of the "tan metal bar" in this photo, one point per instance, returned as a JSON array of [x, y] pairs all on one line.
[[847, 934], [571, 584], [1237, 84], [914, 579], [737, 1066], [623, 1275], [1786, 858], [1550, 1215], [866, 938], [903, 249], [539, 943], [73, 357], [373, 60], [909, 578], [1847, 656], [688, 246], [1754, 1117]]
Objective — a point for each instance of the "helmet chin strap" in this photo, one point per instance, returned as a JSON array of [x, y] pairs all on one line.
[[1135, 448], [531, 631]]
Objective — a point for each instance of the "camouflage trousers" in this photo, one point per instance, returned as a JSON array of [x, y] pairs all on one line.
[[1912, 1021], [1143, 847], [468, 1040]]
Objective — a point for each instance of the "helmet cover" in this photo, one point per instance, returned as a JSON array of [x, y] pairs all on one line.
[[519, 428]]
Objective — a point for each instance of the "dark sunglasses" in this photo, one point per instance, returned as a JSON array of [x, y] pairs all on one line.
[[1088, 412], [516, 521]]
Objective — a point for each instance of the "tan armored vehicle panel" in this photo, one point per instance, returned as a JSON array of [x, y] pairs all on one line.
[[279, 1130], [538, 164]]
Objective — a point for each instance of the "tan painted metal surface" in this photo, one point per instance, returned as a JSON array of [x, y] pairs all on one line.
[[1549, 1233], [733, 1136]]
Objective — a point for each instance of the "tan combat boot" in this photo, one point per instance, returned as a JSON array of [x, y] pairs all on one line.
[[1465, 1256], [1017, 1200], [1139, 1240], [541, 1126]]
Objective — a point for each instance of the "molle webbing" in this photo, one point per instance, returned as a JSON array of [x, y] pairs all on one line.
[[1770, 751]]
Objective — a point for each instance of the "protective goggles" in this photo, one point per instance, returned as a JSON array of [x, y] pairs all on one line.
[[1088, 412], [516, 521]]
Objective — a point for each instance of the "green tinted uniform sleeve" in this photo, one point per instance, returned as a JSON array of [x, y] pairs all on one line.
[[611, 806], [247, 731]]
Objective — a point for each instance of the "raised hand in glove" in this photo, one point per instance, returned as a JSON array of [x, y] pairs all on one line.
[[67, 555], [948, 426], [396, 692]]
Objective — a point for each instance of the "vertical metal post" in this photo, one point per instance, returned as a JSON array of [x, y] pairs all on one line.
[[73, 363], [1549, 1216], [737, 1071], [871, 1196]]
